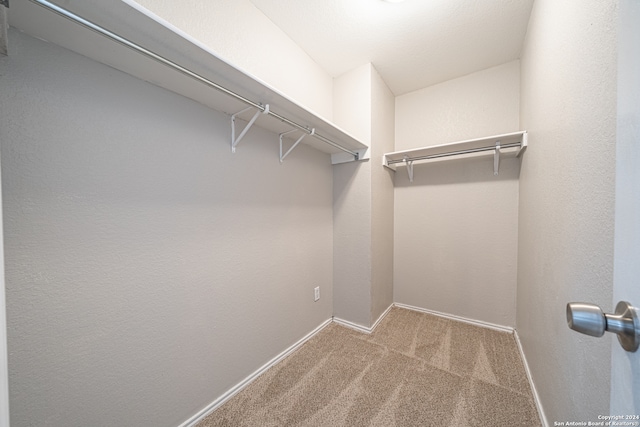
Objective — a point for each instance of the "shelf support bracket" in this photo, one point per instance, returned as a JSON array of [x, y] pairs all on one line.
[[409, 164], [496, 159], [234, 140], [295, 144]]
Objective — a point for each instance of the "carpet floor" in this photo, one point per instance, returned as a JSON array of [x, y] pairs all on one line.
[[415, 369]]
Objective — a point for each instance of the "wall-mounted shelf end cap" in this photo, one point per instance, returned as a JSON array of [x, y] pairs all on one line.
[[523, 143], [363, 154]]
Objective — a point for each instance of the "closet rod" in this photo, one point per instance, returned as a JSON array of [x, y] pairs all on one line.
[[125, 42], [453, 153]]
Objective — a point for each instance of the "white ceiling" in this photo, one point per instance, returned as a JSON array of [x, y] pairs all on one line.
[[413, 44]]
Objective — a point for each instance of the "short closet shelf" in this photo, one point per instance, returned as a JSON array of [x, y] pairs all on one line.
[[509, 142]]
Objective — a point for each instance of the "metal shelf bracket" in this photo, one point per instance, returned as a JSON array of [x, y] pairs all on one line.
[[409, 164], [496, 159], [234, 140], [295, 144]]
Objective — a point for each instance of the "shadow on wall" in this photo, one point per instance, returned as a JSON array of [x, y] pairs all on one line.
[[350, 177], [478, 168]]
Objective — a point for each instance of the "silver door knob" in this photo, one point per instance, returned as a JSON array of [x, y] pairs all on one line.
[[589, 319]]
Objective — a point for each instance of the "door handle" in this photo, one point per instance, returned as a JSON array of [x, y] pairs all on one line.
[[589, 319]]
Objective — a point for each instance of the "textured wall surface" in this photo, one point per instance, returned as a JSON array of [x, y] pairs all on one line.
[[456, 225], [243, 35], [480, 104], [4, 26], [382, 191], [4, 386], [625, 372], [363, 200], [148, 269], [352, 202], [4, 369], [352, 242], [565, 253]]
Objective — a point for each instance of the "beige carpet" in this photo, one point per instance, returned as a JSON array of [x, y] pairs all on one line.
[[414, 370]]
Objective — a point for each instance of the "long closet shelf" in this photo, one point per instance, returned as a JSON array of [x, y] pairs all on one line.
[[186, 66], [509, 142]]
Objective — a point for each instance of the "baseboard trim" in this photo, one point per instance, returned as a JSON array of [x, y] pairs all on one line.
[[382, 316], [360, 328], [458, 318], [191, 422], [536, 397], [352, 325]]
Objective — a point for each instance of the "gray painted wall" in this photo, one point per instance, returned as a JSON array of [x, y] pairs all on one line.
[[4, 376], [239, 32], [352, 242], [149, 270], [382, 141], [625, 366], [567, 187], [363, 200], [456, 225], [352, 215], [4, 26]]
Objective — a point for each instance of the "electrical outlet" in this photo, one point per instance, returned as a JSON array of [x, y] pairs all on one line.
[[316, 293]]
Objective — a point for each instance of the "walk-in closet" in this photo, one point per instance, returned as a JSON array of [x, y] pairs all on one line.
[[318, 213]]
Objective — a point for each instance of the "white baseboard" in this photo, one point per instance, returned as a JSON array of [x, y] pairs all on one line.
[[244, 383], [352, 325], [360, 328], [536, 397], [382, 316], [500, 328]]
